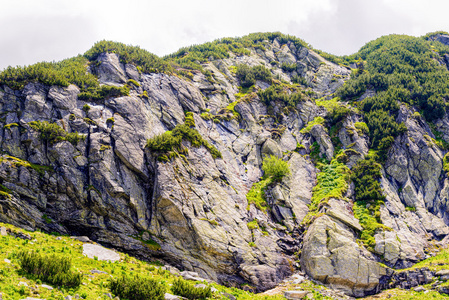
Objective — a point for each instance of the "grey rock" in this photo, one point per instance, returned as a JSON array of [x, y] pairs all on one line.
[[83, 239], [3, 231], [291, 295], [101, 253], [48, 287]]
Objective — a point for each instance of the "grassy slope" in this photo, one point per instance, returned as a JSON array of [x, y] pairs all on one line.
[[94, 286]]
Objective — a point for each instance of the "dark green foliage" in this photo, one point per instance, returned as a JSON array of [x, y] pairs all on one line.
[[172, 141], [368, 196], [104, 92], [192, 57], [278, 92], [182, 288], [61, 73], [137, 288], [144, 60], [275, 168], [52, 133], [286, 67], [248, 75], [402, 69], [52, 269]]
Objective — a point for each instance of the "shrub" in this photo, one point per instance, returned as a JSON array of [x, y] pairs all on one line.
[[275, 168], [137, 288], [52, 133], [182, 288], [286, 67], [172, 141], [146, 61], [248, 76], [52, 269], [368, 198], [61, 73]]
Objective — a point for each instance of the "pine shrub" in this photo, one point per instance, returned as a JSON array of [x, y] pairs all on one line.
[[182, 288], [137, 288], [53, 269]]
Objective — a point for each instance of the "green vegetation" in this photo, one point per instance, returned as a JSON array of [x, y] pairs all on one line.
[[192, 57], [10, 125], [332, 182], [286, 94], [142, 59], [256, 194], [137, 288], [182, 288], [104, 92], [248, 75], [14, 161], [275, 168], [361, 128], [52, 133], [253, 225], [316, 121], [402, 69], [286, 67], [61, 73], [93, 285], [170, 142], [189, 119], [368, 198], [446, 163], [51, 269]]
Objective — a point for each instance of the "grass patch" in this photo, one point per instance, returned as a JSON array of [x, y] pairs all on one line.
[[14, 161], [256, 194], [316, 121], [332, 182]]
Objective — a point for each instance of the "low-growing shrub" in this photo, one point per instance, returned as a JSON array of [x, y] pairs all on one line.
[[172, 141], [53, 133], [275, 168], [182, 288], [52, 269], [137, 288]]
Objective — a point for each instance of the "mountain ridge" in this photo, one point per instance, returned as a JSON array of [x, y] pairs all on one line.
[[77, 150]]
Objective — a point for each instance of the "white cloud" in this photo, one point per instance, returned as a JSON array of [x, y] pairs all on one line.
[[55, 29]]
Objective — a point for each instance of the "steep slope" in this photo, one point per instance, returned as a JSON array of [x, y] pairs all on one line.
[[170, 152]]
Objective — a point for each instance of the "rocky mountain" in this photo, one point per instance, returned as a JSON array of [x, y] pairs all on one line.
[[163, 158]]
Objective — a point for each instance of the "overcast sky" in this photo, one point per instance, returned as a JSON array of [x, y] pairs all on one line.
[[46, 30]]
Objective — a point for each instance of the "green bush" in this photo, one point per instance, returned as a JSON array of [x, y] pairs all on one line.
[[368, 198], [248, 75], [61, 73], [172, 141], [52, 269], [275, 168], [144, 60], [137, 288], [182, 288], [278, 92], [286, 67], [104, 92], [52, 133]]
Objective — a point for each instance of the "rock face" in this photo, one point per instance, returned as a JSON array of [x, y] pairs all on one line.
[[331, 254], [192, 210]]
